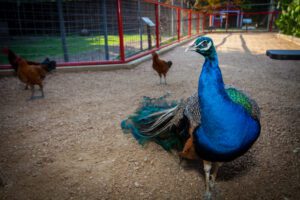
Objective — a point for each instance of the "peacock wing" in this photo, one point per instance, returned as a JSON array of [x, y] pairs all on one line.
[[192, 110], [240, 97]]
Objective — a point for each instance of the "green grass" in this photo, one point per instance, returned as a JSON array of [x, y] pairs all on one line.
[[168, 41], [33, 48]]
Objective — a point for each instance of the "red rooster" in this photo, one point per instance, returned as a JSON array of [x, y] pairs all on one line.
[[160, 66]]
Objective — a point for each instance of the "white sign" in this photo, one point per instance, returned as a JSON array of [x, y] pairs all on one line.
[[148, 21], [247, 20]]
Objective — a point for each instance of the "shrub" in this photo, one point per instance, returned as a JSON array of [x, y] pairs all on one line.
[[289, 20]]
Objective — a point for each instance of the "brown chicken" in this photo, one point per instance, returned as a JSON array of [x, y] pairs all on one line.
[[13, 59], [31, 75], [160, 66]]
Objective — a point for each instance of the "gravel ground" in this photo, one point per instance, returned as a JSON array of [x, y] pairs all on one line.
[[70, 145]]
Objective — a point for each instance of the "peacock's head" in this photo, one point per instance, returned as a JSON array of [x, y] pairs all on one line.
[[202, 45]]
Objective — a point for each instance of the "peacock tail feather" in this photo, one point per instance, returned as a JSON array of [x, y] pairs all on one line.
[[155, 120]]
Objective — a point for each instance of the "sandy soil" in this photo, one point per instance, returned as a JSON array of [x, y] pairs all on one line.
[[70, 145]]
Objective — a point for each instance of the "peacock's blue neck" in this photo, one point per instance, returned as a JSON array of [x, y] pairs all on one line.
[[211, 83], [211, 92]]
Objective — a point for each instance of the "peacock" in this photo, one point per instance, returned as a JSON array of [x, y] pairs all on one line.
[[218, 123]]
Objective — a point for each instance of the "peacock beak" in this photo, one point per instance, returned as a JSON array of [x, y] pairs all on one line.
[[191, 47]]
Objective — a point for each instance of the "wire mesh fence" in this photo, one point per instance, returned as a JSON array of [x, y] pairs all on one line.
[[195, 23], [81, 32], [184, 23], [168, 25], [138, 36], [67, 31]]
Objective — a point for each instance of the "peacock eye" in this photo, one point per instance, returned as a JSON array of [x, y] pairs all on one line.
[[204, 44]]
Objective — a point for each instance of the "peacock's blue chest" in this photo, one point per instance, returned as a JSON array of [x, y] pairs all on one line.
[[227, 130]]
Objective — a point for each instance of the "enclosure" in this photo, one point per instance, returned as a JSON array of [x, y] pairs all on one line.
[[69, 145], [85, 32]]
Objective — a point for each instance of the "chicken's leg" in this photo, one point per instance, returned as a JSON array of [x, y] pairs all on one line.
[[160, 79], [32, 92], [42, 90]]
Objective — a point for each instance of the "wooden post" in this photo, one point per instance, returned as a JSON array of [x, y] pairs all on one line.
[[120, 29], [140, 24], [105, 29], [62, 30], [149, 37]]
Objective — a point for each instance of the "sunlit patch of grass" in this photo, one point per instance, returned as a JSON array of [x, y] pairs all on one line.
[[37, 48]]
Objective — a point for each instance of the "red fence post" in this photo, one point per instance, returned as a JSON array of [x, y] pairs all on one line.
[[203, 22], [198, 23], [190, 23], [271, 23], [178, 24], [120, 29], [227, 19], [157, 26]]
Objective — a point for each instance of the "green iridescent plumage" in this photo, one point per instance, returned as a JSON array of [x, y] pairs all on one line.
[[153, 110], [239, 98]]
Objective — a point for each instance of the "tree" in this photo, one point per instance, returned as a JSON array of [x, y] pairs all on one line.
[[289, 20], [246, 5], [211, 5]]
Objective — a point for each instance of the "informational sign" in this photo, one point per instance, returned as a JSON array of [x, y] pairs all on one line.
[[148, 21], [247, 20]]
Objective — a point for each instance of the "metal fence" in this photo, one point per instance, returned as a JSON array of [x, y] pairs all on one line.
[[86, 32], [236, 21]]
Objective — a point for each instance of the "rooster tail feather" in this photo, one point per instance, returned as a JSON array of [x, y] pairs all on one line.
[[154, 121], [49, 65], [170, 63]]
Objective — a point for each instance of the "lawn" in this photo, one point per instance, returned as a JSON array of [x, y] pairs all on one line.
[[36, 48]]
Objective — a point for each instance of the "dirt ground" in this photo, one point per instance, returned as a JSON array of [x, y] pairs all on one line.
[[70, 144]]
